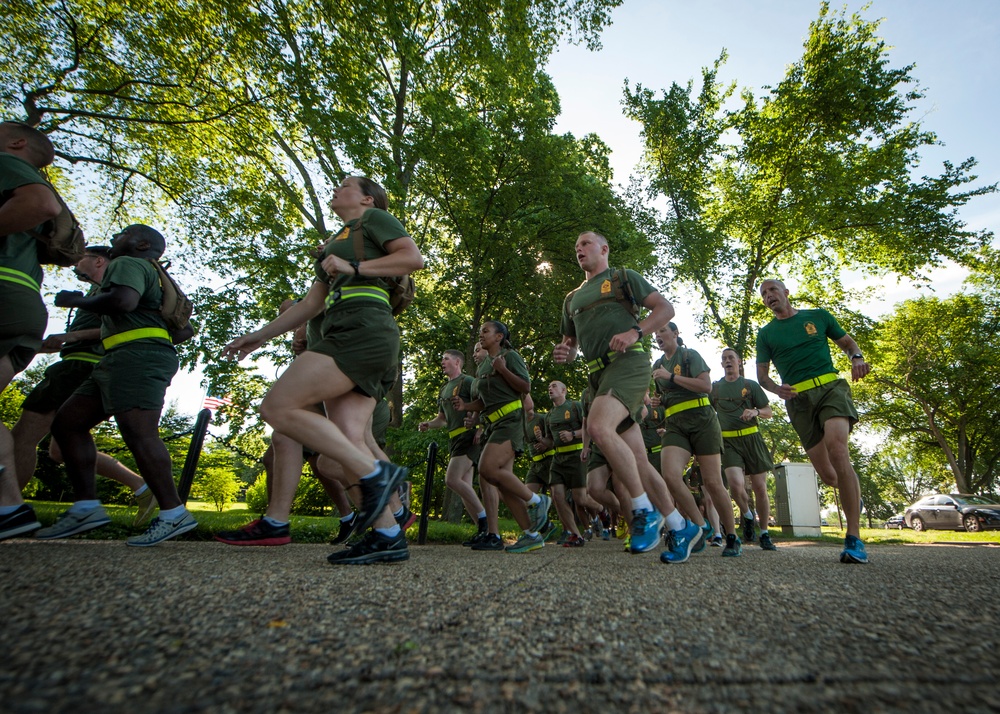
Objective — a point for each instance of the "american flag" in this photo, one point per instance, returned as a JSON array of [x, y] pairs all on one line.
[[214, 403]]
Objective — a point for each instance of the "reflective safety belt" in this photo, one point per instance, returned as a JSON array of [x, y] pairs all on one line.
[[503, 411], [348, 292], [655, 449], [132, 335], [547, 454], [16, 276], [596, 365], [569, 447], [740, 432], [83, 357], [455, 432], [815, 382], [684, 406]]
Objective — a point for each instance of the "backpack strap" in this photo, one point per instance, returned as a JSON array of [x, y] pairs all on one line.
[[358, 238]]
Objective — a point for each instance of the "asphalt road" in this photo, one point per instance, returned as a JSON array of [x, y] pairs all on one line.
[[94, 626]]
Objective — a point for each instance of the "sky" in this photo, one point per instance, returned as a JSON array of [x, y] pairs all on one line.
[[657, 42]]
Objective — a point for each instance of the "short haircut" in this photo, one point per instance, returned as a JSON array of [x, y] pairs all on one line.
[[370, 188], [140, 232], [102, 251], [600, 238], [39, 152], [456, 354], [771, 280]]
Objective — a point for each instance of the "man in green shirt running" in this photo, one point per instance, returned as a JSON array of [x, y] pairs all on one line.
[[818, 401], [26, 202]]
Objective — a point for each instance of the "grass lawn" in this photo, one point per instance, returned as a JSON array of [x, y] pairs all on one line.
[[313, 529]]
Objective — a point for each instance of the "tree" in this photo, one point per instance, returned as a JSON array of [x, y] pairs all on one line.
[[217, 486], [935, 383], [815, 177]]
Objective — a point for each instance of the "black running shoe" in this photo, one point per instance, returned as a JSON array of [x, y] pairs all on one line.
[[748, 533], [373, 548], [490, 541], [345, 531], [376, 491], [21, 521], [258, 532], [476, 539]]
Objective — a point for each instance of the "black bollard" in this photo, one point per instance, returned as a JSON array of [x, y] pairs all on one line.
[[194, 453], [432, 453]]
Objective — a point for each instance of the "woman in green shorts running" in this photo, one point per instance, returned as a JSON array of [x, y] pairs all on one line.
[[353, 364], [500, 381]]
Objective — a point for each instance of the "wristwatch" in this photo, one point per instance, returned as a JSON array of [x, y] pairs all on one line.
[[857, 355], [638, 329], [357, 267]]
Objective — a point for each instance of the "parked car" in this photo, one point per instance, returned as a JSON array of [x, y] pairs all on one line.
[[898, 522], [953, 511]]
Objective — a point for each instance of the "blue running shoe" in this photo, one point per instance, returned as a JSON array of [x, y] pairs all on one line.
[[734, 548], [854, 551], [706, 535], [645, 530], [682, 543]]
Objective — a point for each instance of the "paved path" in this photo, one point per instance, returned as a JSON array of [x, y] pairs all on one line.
[[94, 626]]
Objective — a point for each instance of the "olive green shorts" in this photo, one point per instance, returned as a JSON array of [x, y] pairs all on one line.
[[22, 324], [363, 339], [810, 410], [654, 457], [61, 379], [538, 472], [509, 427], [465, 445], [568, 470], [133, 376], [746, 452], [597, 458], [694, 430], [627, 380]]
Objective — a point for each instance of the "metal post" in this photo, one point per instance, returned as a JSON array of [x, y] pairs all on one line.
[[432, 455], [194, 453]]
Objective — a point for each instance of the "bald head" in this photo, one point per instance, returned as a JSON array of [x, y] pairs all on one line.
[[27, 143], [138, 241]]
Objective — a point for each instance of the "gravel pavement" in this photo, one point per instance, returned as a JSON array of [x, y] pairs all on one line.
[[94, 626]]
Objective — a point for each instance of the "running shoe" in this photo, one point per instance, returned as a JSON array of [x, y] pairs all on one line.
[[476, 539], [258, 532], [748, 531], [765, 541], [646, 526], [160, 530], [491, 541], [71, 524], [706, 536], [406, 519], [376, 491], [526, 543], [626, 543], [539, 512], [717, 541], [20, 521], [566, 535], [373, 548], [574, 541], [605, 534], [854, 551], [733, 547], [345, 531], [548, 531], [146, 504], [681, 543]]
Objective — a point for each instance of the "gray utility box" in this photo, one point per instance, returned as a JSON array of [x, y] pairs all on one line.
[[797, 500]]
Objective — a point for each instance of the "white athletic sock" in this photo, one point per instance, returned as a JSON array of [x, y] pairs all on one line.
[[80, 507], [748, 514], [173, 514], [481, 515], [373, 473], [348, 518], [642, 503], [274, 522], [675, 521], [392, 532], [533, 534], [534, 499], [141, 490]]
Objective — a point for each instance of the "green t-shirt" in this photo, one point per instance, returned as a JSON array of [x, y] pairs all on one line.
[[18, 251], [379, 228], [684, 363], [141, 276], [797, 345], [530, 435], [649, 425], [84, 320], [568, 416], [460, 386], [493, 388], [731, 399], [594, 328]]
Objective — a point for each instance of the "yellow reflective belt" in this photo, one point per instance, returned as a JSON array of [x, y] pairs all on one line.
[[16, 276], [547, 454], [372, 292], [503, 411], [571, 447], [132, 335], [815, 382], [455, 432], [596, 365], [740, 432], [83, 357], [684, 406], [655, 449]]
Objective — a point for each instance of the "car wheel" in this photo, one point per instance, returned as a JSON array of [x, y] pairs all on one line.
[[917, 523], [972, 524]]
